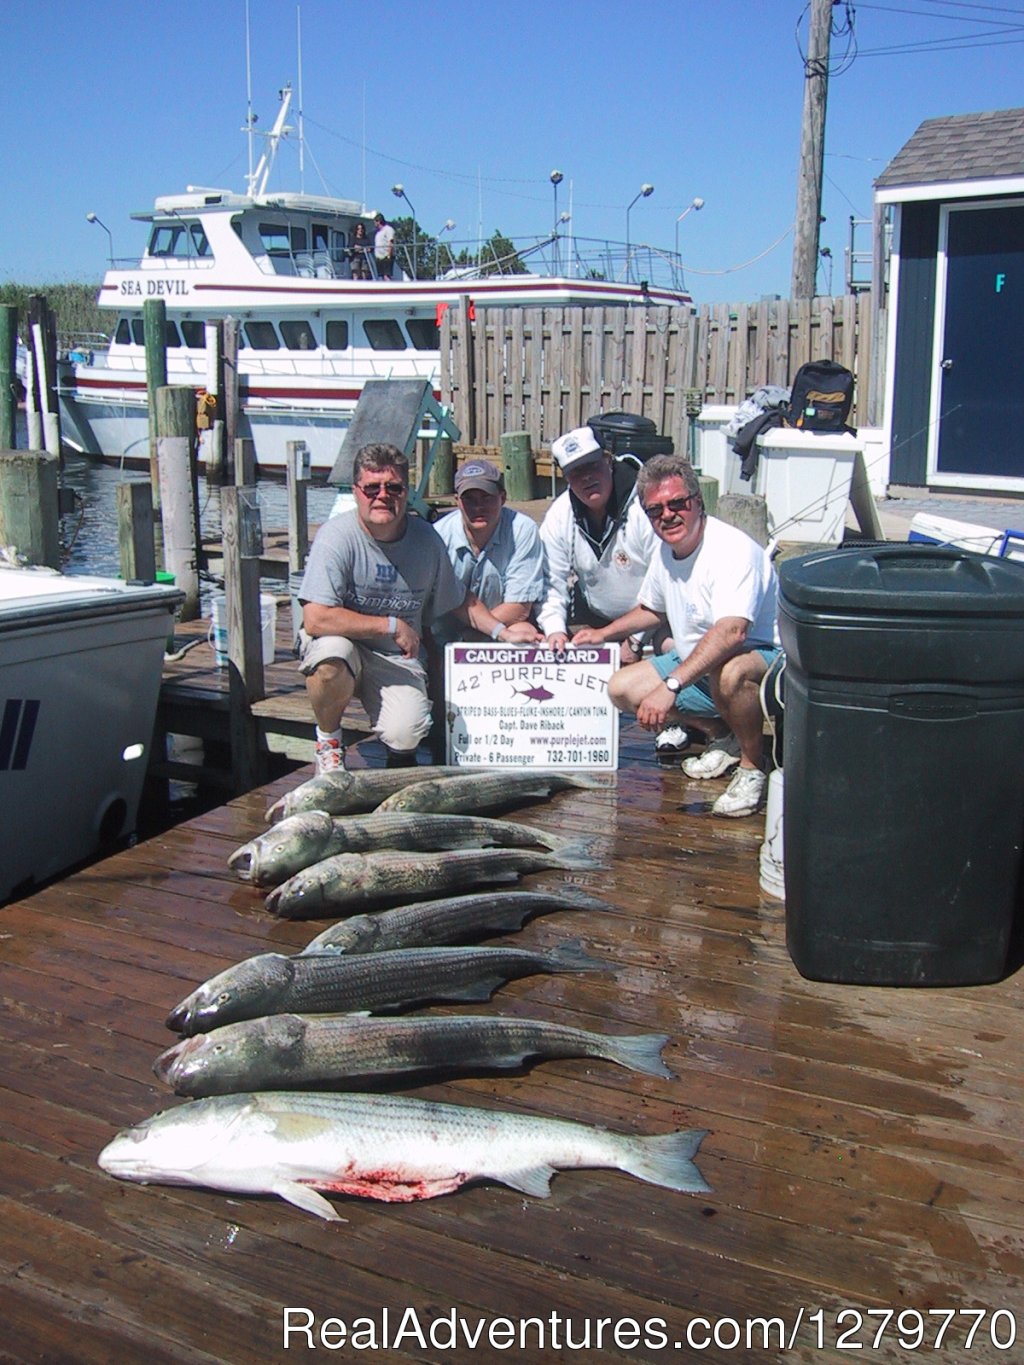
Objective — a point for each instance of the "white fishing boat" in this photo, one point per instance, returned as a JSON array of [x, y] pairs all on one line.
[[80, 667], [310, 334]]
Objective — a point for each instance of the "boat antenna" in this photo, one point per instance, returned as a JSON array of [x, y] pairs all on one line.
[[302, 141], [250, 118]]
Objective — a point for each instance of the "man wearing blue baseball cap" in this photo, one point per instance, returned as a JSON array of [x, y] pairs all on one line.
[[496, 553]]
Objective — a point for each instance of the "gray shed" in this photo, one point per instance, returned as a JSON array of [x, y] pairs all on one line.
[[955, 371]]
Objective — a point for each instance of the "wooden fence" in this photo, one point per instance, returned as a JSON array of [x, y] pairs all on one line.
[[546, 370]]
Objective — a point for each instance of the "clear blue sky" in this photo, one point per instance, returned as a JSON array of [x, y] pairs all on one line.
[[471, 106]]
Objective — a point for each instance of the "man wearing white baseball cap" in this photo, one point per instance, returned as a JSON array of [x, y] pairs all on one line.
[[597, 539]]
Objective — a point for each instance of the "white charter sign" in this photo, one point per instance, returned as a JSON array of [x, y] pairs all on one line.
[[527, 706]]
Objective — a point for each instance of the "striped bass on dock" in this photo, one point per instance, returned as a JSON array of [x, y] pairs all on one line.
[[379, 1147], [456, 919], [279, 1051], [299, 841]]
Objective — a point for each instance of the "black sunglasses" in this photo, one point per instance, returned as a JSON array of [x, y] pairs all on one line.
[[656, 510], [373, 490]]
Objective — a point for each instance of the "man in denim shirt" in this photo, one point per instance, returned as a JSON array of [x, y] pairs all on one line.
[[495, 552]]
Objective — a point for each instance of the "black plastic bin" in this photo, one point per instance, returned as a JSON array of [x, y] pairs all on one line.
[[903, 748], [628, 432]]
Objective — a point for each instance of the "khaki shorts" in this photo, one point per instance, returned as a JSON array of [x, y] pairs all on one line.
[[392, 689]]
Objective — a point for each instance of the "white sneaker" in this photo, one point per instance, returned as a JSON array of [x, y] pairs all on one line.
[[329, 756], [716, 760], [670, 743], [744, 794]]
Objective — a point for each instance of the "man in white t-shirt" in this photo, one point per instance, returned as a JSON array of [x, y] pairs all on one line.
[[384, 247], [718, 592]]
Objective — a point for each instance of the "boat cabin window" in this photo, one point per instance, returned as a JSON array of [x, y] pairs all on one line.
[[261, 336], [279, 240], [337, 336], [384, 334], [194, 334], [138, 327], [424, 333], [122, 332], [180, 240], [298, 336]]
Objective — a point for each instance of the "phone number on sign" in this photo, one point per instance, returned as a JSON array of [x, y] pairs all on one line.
[[556, 756]]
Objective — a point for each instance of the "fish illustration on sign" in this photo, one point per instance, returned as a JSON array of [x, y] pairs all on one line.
[[537, 694]]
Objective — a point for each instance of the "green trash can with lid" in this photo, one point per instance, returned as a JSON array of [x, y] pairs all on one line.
[[904, 735]]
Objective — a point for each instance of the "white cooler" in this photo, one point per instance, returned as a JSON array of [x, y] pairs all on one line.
[[81, 661], [715, 456], [804, 477]]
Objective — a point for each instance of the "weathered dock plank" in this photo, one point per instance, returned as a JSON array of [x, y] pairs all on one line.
[[865, 1145]]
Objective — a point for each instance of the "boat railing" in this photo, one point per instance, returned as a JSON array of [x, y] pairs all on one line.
[[563, 256]]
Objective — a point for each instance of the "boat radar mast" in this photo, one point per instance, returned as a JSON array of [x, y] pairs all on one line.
[[257, 180]]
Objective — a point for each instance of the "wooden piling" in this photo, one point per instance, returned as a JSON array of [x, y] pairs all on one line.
[[175, 438], [298, 519], [154, 327], [43, 328], [517, 457], [216, 472], [135, 542], [230, 395], [8, 376], [243, 545], [33, 416], [442, 471], [29, 505], [245, 462]]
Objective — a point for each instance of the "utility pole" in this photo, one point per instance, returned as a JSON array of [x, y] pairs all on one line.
[[812, 153]]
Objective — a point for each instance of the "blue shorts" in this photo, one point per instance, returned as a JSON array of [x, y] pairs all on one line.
[[695, 699]]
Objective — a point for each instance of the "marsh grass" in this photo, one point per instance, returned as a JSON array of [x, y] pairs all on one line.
[[73, 305]]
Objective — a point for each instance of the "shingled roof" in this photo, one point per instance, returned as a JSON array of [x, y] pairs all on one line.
[[960, 147]]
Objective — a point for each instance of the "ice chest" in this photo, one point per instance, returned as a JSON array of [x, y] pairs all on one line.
[[902, 751]]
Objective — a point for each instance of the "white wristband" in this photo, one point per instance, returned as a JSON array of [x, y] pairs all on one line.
[[392, 624], [497, 630]]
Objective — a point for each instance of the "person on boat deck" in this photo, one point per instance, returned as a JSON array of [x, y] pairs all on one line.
[[358, 252], [718, 592], [375, 576], [384, 247], [496, 552]]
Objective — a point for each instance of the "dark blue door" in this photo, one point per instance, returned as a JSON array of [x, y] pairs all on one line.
[[981, 417]]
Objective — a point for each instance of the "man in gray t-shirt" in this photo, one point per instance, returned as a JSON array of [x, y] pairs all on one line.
[[375, 578]]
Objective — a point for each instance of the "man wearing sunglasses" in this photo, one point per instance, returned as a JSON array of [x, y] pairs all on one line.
[[376, 577], [718, 592]]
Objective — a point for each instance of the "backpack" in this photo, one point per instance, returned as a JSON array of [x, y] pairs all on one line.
[[821, 397]]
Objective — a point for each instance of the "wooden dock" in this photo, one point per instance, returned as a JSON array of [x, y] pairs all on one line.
[[865, 1145]]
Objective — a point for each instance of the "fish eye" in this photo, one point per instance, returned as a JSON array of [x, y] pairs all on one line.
[[223, 998]]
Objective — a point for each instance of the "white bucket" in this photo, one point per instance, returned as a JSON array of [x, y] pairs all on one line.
[[772, 870], [218, 634]]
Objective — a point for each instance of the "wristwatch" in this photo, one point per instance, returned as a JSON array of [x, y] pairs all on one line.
[[673, 685]]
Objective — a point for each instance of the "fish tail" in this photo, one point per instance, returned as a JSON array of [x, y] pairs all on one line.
[[571, 957], [576, 854], [666, 1160], [591, 781], [639, 1052]]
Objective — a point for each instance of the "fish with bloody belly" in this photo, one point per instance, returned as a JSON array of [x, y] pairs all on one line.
[[379, 1147]]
